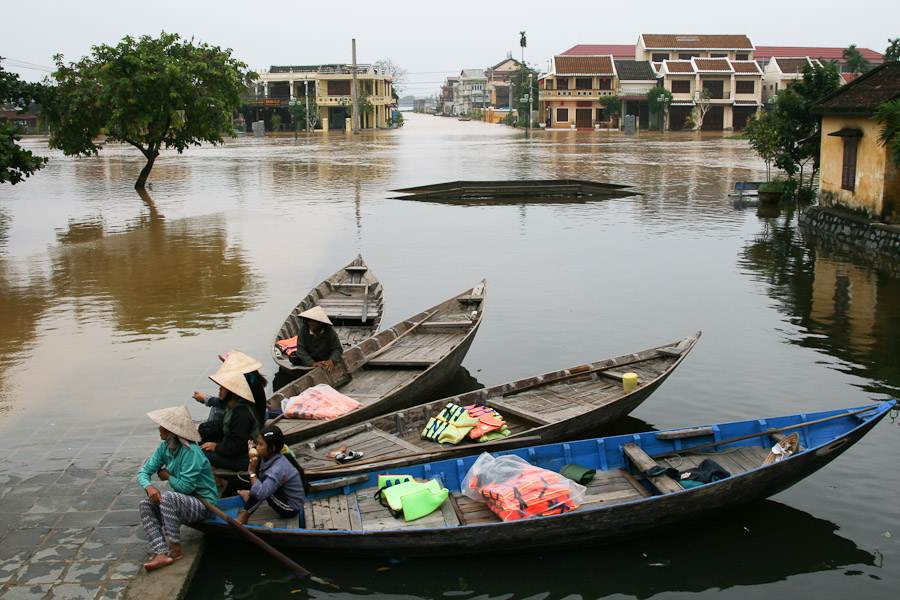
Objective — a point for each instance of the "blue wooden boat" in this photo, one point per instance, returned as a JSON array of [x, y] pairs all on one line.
[[343, 516]]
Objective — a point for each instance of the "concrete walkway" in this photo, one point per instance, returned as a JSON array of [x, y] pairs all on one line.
[[69, 524]]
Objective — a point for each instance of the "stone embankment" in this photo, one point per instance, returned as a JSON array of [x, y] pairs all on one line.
[[853, 229]]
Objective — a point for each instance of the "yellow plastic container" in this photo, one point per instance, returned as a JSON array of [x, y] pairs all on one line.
[[629, 381]]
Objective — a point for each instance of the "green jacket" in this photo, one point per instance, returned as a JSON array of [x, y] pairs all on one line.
[[313, 348], [188, 468]]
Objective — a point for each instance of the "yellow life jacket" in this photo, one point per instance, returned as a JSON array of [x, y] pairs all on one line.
[[450, 425]]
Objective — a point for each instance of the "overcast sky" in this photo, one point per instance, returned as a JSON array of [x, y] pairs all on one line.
[[429, 38]]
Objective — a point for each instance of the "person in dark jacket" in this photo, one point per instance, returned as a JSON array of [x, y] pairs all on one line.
[[318, 344], [239, 425], [275, 477], [235, 360]]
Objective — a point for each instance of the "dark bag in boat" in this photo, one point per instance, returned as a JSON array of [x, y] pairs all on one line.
[[211, 431], [706, 472]]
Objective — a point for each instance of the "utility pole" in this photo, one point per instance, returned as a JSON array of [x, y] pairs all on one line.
[[306, 93], [355, 120], [530, 94]]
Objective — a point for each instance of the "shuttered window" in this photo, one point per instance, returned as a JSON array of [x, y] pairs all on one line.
[[681, 86], [848, 171], [744, 87], [562, 115]]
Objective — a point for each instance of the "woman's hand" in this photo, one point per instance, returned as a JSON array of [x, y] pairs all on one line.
[[254, 464], [199, 397], [153, 494], [211, 446]]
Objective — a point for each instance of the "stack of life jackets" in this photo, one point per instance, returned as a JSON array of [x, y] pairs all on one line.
[[288, 346], [454, 423], [520, 490], [318, 402]]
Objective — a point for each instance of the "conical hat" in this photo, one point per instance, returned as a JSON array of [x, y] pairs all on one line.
[[177, 420], [234, 382], [240, 362], [316, 313]]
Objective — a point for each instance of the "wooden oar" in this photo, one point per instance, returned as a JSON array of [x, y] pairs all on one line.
[[529, 438], [767, 432], [261, 543]]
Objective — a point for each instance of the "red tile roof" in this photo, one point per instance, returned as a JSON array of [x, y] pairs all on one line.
[[767, 52], [718, 65], [616, 50], [746, 67], [584, 65], [864, 94], [710, 42], [791, 65], [848, 77], [679, 66]]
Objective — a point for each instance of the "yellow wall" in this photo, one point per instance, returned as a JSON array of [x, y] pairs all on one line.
[[877, 191]]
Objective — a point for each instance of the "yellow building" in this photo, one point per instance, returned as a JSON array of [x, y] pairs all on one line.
[[856, 171], [332, 88], [569, 95]]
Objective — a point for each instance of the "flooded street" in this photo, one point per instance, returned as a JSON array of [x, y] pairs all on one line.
[[113, 306]]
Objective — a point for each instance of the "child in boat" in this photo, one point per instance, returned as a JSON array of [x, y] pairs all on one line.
[[178, 460], [275, 478]]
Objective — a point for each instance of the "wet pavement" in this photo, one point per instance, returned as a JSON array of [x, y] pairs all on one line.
[[68, 514]]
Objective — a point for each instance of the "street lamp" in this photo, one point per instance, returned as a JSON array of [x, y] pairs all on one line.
[[662, 109]]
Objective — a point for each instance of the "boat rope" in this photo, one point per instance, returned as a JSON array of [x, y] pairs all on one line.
[[668, 458]]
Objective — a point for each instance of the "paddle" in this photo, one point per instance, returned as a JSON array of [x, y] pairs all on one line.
[[767, 432], [262, 544], [529, 438]]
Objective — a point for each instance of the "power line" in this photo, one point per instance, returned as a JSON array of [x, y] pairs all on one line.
[[21, 64]]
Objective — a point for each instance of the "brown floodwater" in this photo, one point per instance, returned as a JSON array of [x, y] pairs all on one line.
[[113, 306]]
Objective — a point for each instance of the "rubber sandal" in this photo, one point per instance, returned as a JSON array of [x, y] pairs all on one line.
[[343, 457]]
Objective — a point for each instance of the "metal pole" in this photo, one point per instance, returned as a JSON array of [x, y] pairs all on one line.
[[355, 124], [306, 93], [530, 94]]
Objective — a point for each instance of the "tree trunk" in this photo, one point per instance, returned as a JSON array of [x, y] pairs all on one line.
[[145, 172]]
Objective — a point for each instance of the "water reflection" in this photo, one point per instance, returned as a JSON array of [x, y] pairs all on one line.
[[844, 300], [160, 276], [764, 542]]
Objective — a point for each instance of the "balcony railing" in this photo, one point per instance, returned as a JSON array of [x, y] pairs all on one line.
[[549, 94]]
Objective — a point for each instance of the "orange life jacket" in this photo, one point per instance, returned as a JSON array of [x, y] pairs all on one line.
[[532, 492], [288, 346], [318, 402], [488, 420]]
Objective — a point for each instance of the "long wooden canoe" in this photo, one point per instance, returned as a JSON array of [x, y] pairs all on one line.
[[553, 407], [352, 298], [396, 368], [620, 501]]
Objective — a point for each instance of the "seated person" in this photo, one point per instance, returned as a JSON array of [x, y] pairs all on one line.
[[318, 344], [235, 360], [178, 460], [278, 479], [239, 425]]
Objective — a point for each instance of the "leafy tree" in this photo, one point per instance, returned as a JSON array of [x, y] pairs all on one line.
[[150, 93], [365, 102], [523, 79], [611, 103], [658, 98], [276, 122], [892, 52], [702, 100], [763, 133], [523, 43], [298, 113], [888, 116], [854, 60], [16, 163]]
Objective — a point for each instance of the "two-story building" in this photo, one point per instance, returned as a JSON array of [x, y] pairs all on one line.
[[570, 92], [470, 92], [499, 77], [448, 92], [734, 88], [636, 79], [782, 72], [658, 48], [330, 86]]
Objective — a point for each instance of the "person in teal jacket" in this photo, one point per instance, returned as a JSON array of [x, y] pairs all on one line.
[[181, 462]]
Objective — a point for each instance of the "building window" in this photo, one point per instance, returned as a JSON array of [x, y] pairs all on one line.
[[743, 56], [718, 55], [562, 115], [584, 83], [562, 83], [605, 83], [339, 88], [660, 56], [848, 171], [681, 86], [688, 55], [744, 87]]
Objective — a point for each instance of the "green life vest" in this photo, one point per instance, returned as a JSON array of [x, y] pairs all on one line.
[[412, 499]]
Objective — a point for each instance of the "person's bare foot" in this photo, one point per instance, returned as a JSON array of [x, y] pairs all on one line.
[[158, 562], [242, 517], [175, 551]]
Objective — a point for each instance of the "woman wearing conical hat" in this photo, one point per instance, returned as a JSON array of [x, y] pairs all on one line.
[[240, 425], [318, 344], [181, 462], [249, 366]]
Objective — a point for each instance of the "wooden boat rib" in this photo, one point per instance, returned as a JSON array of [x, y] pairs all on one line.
[[557, 406], [352, 298], [619, 501], [395, 368]]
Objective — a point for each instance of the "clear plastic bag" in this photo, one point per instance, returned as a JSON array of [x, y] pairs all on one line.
[[515, 489], [318, 402]]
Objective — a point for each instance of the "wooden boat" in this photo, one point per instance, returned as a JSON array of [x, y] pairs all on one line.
[[620, 500], [557, 406], [352, 298], [395, 368]]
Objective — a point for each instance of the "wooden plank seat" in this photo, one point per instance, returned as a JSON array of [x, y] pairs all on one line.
[[356, 269], [643, 462], [399, 363], [435, 324], [469, 299]]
